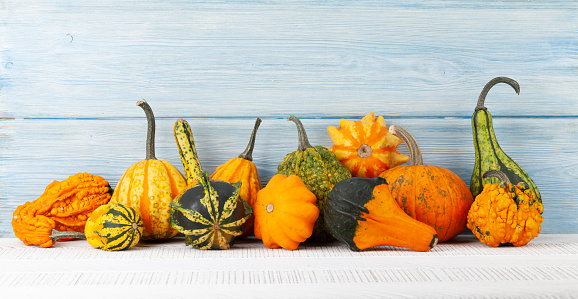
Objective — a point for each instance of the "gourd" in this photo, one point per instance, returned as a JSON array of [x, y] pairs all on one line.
[[319, 169], [242, 169], [362, 213], [210, 213], [148, 186], [489, 154], [285, 212], [365, 147], [64, 206], [505, 213], [114, 227], [431, 194]]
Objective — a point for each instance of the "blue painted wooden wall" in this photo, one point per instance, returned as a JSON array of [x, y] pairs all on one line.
[[72, 71]]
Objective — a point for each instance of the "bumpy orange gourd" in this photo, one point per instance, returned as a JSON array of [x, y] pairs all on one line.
[[148, 186], [64, 206], [285, 212], [366, 147], [505, 213], [242, 169], [431, 194]]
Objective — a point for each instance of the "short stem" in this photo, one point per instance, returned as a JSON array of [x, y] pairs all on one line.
[[494, 173], [489, 85], [248, 153], [303, 140], [414, 151], [55, 235], [150, 145]]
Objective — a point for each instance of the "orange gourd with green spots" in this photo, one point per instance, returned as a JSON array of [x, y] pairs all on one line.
[[431, 194]]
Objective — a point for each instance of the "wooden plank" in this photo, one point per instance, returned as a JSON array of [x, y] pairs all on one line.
[[33, 153], [461, 268], [70, 59]]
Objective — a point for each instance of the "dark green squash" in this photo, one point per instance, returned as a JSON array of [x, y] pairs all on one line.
[[489, 154], [362, 213], [210, 213], [319, 169]]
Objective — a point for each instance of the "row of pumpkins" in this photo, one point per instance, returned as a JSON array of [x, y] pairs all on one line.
[[357, 192]]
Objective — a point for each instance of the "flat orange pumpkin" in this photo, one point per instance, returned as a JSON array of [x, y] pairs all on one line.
[[285, 212], [366, 147]]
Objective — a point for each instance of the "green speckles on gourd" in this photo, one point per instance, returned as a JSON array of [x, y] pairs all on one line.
[[489, 155], [319, 169]]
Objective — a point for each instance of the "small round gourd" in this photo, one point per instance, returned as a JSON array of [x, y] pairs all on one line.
[[114, 227]]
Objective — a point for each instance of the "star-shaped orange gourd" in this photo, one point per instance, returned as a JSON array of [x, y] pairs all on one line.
[[366, 147]]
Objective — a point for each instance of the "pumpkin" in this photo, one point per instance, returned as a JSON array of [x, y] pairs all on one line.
[[64, 206], [319, 169], [114, 227], [489, 154], [365, 147], [242, 169], [148, 186], [285, 212], [362, 213], [431, 194], [210, 213], [505, 213]]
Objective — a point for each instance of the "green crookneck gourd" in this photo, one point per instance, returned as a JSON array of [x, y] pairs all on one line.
[[319, 169], [489, 155]]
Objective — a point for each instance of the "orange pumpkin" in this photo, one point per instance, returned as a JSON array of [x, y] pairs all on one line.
[[366, 147], [431, 194], [148, 186], [242, 169], [285, 212]]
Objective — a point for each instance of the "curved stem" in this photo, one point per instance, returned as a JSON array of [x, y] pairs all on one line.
[[150, 145], [494, 173], [248, 153], [303, 140], [489, 85], [414, 151], [55, 235]]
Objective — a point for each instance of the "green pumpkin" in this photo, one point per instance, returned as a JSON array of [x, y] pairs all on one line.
[[210, 214], [319, 169], [489, 154]]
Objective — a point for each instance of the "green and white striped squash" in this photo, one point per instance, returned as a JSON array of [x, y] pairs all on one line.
[[489, 154], [114, 227]]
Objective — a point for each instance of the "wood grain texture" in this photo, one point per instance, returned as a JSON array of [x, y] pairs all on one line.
[[461, 268], [71, 72]]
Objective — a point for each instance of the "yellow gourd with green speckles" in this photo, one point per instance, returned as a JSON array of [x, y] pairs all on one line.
[[148, 186]]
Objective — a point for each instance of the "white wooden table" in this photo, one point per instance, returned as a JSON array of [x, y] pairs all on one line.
[[464, 267]]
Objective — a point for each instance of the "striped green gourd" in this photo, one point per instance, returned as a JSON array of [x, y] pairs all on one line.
[[113, 227], [210, 213], [489, 155]]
